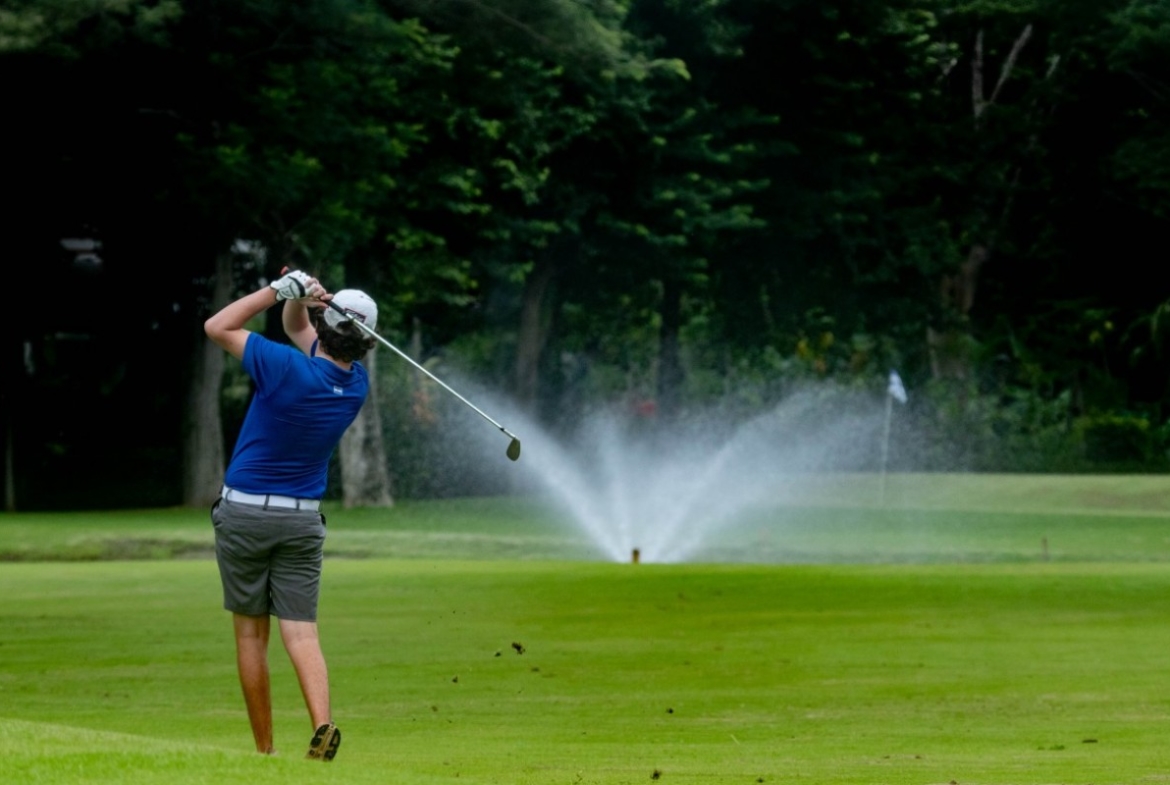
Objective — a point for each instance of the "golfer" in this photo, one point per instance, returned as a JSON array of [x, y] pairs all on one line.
[[269, 530]]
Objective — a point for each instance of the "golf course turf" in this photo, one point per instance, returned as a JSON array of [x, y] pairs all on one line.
[[978, 637]]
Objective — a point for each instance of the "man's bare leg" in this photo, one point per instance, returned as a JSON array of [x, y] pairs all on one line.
[[304, 650], [252, 660]]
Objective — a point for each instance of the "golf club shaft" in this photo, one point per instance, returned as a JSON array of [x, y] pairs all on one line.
[[369, 331]]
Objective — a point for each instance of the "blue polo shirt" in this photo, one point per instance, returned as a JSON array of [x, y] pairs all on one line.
[[301, 407]]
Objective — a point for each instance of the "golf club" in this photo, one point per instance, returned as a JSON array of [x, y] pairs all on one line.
[[513, 446]]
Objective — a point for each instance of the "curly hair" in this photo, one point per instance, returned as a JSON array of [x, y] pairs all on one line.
[[344, 342]]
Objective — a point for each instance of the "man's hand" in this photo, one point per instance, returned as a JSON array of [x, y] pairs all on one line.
[[297, 285]]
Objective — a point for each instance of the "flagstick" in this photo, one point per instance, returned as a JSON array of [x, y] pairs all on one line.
[[886, 448]]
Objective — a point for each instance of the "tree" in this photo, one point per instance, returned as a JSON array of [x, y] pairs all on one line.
[[536, 81], [64, 154], [603, 177], [52, 26], [833, 98], [307, 149], [203, 437], [366, 479]]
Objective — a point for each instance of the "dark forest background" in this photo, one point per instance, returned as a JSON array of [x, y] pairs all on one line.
[[655, 205]]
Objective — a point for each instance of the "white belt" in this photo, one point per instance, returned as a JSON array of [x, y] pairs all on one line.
[[270, 500]]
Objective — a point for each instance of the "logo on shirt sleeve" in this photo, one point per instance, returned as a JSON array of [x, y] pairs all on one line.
[[337, 390]]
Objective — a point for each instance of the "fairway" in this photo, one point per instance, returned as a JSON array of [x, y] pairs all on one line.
[[892, 645]]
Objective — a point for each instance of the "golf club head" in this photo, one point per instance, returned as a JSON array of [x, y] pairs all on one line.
[[514, 449]]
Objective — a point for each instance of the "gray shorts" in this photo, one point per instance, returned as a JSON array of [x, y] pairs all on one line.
[[269, 559]]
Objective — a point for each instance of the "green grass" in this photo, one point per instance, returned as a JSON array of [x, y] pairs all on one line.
[[490, 528], [920, 642]]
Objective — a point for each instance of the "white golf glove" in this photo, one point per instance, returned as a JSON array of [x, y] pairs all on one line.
[[293, 286]]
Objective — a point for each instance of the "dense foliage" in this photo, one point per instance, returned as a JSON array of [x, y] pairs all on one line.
[[658, 203]]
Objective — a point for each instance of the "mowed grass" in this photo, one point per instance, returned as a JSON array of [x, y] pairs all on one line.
[[478, 641]]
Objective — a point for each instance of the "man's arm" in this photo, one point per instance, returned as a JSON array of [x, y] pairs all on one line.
[[226, 328], [295, 316], [295, 319]]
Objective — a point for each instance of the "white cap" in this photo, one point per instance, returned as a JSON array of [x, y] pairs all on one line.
[[355, 303]]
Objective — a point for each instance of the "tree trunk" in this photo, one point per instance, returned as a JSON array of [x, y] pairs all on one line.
[[950, 343], [9, 453], [534, 330], [14, 396], [203, 447], [365, 478], [670, 371]]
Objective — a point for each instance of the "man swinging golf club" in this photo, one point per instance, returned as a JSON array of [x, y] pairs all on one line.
[[269, 531]]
